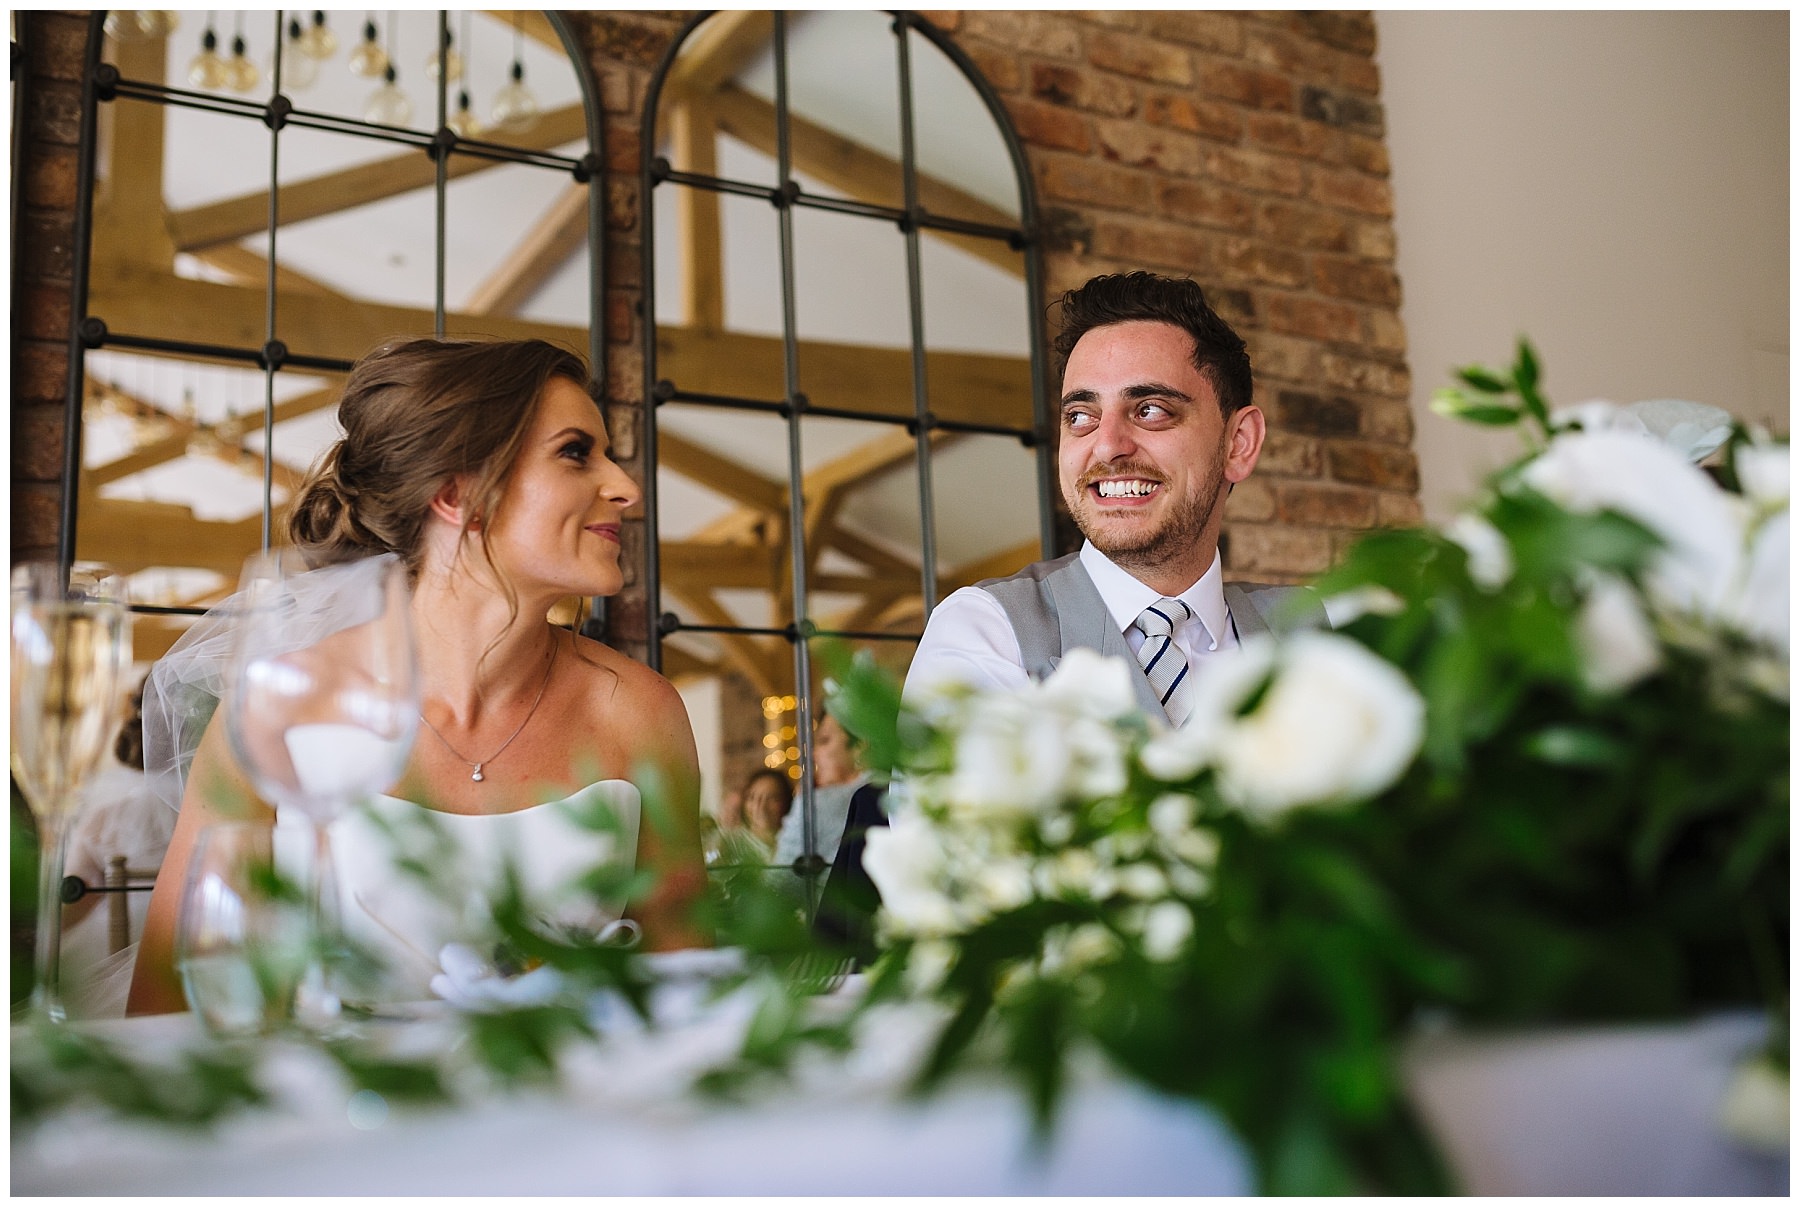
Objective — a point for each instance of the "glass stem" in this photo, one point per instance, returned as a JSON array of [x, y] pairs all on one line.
[[46, 993]]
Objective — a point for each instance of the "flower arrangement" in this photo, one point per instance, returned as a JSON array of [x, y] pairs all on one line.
[[1539, 774]]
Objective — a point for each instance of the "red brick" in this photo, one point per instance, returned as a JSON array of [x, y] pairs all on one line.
[[1178, 111], [1256, 170], [1220, 32], [36, 519], [1356, 280], [624, 373], [1153, 245], [1000, 68], [53, 113], [1313, 318], [1324, 506], [41, 372], [1141, 58], [1366, 154], [1282, 357], [1344, 110], [1288, 54], [1095, 91], [1050, 34], [1398, 511], [1290, 135], [58, 44], [1249, 261], [1248, 86], [1352, 191], [1049, 125], [1302, 226], [1111, 18], [619, 90], [1072, 179], [630, 37], [1343, 372], [947, 20], [1386, 332], [1373, 465], [1352, 31], [37, 440], [1206, 204], [621, 316], [1285, 452], [1388, 421], [50, 178], [1373, 241], [623, 147], [1358, 74], [43, 311], [623, 422], [1263, 549], [1252, 499], [1139, 146], [621, 204], [1315, 414]]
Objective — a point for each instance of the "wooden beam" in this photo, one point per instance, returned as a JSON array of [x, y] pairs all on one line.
[[557, 234], [719, 473], [209, 312], [717, 51], [712, 566], [132, 536], [251, 268], [130, 214], [970, 387], [535, 23], [234, 218], [753, 656], [223, 445], [694, 135], [864, 174]]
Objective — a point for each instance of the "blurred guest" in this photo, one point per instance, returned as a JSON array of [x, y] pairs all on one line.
[[837, 774], [767, 798]]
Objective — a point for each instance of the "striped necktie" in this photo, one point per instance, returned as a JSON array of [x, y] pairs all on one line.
[[1163, 661]]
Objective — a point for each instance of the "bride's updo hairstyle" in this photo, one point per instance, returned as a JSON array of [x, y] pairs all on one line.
[[415, 414]]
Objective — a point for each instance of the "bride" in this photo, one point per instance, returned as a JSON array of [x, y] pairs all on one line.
[[483, 466]]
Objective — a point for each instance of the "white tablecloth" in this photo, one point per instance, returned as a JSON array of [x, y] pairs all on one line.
[[620, 1126]]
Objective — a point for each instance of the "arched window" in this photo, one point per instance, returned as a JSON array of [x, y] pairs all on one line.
[[264, 198], [847, 412]]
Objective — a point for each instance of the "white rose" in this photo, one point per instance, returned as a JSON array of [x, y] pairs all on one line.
[[1097, 757], [905, 860], [1490, 557], [1701, 526], [1004, 885], [1189, 882], [1010, 757], [1173, 755], [1090, 944], [1366, 600], [927, 965], [1617, 645], [1759, 608], [1198, 848], [1143, 881], [1087, 683], [1337, 723], [1074, 872], [1762, 471], [1171, 814], [1229, 681], [1693, 429], [1166, 928]]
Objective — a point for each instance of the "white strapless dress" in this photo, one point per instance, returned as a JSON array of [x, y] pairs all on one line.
[[407, 920]]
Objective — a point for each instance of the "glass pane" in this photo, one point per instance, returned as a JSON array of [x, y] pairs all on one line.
[[844, 105], [745, 730], [851, 313], [744, 360], [715, 115], [862, 499], [965, 170], [977, 334], [995, 478], [521, 268]]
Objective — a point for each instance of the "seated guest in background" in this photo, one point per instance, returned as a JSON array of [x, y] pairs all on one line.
[[1156, 427], [837, 775], [483, 468], [767, 800]]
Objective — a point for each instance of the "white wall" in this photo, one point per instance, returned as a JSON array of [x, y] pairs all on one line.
[[1612, 184]]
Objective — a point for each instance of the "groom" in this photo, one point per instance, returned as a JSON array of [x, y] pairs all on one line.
[[1156, 427]]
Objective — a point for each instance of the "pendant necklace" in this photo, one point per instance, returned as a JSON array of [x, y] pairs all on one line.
[[549, 665]]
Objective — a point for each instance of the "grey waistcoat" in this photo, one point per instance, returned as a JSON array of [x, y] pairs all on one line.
[[1054, 607]]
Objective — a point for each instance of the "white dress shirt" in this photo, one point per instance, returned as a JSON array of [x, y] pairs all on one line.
[[969, 639]]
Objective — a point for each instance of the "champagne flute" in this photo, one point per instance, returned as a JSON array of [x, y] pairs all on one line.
[[71, 654], [323, 705]]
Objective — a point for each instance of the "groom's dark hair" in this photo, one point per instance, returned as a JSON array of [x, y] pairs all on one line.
[[1131, 297]]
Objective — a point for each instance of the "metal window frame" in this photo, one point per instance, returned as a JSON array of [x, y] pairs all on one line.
[[912, 219], [102, 84]]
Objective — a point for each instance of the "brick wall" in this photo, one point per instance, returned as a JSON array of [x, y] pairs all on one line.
[[1243, 149], [43, 242]]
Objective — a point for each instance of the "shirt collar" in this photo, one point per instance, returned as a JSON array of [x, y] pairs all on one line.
[[1126, 598]]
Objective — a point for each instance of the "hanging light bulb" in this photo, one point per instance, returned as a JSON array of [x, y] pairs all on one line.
[[319, 42], [240, 72], [450, 61], [299, 70], [388, 105], [368, 58], [156, 22], [463, 123], [207, 69], [122, 25], [515, 106]]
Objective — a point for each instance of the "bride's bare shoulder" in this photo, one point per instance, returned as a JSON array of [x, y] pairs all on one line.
[[622, 680]]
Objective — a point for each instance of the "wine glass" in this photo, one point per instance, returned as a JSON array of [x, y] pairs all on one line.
[[323, 703], [71, 654], [241, 941]]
